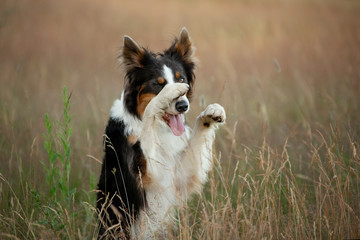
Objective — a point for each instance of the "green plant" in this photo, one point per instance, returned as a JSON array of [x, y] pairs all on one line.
[[57, 205], [59, 166]]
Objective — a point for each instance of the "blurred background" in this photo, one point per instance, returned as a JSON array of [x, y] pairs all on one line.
[[282, 69]]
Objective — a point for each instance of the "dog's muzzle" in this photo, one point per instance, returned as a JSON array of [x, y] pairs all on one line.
[[181, 106]]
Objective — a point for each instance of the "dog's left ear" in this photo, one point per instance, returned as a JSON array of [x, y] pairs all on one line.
[[132, 54], [183, 48]]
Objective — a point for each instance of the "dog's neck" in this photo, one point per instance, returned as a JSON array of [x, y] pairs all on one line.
[[118, 112]]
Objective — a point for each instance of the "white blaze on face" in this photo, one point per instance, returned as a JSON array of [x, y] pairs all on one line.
[[168, 74], [174, 120]]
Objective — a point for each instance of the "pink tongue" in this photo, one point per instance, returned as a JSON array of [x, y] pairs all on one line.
[[176, 124]]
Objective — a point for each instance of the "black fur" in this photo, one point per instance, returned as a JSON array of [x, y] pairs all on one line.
[[118, 184]]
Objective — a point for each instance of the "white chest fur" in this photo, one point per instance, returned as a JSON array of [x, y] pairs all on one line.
[[164, 166]]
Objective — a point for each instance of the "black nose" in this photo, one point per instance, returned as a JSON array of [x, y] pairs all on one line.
[[181, 106]]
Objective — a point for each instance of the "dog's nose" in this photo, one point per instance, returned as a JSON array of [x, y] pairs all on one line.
[[181, 106]]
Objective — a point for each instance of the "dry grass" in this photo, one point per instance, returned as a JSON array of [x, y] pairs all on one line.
[[287, 162]]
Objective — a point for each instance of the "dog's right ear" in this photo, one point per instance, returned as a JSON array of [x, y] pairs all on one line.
[[132, 54]]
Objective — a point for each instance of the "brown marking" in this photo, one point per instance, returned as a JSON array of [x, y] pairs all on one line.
[[161, 80], [177, 75], [141, 89], [142, 102], [144, 179], [132, 139], [183, 47]]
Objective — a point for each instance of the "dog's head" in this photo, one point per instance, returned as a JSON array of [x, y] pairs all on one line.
[[147, 73]]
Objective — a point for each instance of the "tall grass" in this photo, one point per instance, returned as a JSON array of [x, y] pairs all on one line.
[[52, 211], [286, 164], [275, 201]]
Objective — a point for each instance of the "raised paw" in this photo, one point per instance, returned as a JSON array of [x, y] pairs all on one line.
[[171, 92], [214, 113], [163, 100]]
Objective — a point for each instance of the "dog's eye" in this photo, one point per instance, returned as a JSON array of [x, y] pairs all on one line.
[[179, 77], [161, 80]]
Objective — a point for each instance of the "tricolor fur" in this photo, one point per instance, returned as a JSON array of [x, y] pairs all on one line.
[[153, 160]]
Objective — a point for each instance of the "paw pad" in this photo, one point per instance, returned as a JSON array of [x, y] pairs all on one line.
[[214, 113]]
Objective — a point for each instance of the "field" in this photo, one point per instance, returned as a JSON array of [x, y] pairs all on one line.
[[287, 162]]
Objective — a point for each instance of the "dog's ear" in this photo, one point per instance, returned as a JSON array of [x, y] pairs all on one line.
[[183, 47], [132, 54]]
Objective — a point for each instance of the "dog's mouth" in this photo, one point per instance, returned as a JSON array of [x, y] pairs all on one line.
[[175, 122]]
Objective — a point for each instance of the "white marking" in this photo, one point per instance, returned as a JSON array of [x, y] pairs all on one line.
[[178, 166], [168, 74], [119, 112]]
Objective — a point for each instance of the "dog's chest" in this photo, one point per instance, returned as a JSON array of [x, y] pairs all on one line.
[[170, 144], [161, 197], [165, 163]]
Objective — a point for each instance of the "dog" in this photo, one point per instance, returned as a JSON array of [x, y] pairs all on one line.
[[153, 161]]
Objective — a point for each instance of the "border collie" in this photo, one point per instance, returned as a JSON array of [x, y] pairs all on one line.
[[153, 160]]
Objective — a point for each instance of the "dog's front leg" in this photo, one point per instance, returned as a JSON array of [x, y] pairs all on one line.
[[153, 114], [199, 153]]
